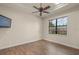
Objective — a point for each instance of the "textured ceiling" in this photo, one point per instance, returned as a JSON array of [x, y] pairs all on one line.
[[28, 7]]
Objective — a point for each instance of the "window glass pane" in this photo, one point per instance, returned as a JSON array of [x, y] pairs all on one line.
[[54, 22], [62, 21], [62, 25]]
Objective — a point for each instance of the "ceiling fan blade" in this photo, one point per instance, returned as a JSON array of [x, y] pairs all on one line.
[[46, 7], [40, 13], [46, 12], [35, 11], [35, 7]]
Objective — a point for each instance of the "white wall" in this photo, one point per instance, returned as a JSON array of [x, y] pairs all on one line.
[[24, 28], [72, 38]]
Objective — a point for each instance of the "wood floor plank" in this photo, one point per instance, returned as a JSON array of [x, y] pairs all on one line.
[[40, 47]]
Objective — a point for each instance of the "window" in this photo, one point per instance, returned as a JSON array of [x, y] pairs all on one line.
[[58, 26]]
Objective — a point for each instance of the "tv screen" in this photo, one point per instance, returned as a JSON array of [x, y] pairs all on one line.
[[5, 22]]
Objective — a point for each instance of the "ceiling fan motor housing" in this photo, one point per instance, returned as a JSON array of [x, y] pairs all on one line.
[[40, 9]]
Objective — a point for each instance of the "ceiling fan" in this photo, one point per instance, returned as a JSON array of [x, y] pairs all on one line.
[[41, 9]]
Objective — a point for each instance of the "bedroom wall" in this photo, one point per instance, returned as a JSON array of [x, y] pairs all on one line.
[[25, 28], [72, 37]]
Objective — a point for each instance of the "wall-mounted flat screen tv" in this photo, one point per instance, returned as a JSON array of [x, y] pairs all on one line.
[[5, 22]]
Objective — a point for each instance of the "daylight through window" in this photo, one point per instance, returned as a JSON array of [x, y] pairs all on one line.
[[58, 25]]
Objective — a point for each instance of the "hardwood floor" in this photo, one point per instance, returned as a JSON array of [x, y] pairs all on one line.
[[40, 47]]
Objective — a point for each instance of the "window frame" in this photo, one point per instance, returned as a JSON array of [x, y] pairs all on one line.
[[56, 27]]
